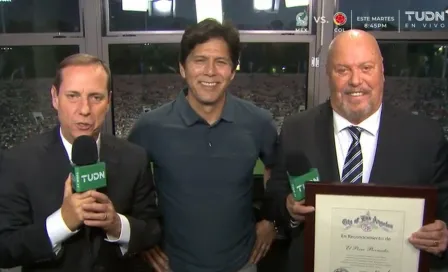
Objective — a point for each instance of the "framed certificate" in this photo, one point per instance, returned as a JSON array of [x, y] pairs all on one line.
[[366, 227]]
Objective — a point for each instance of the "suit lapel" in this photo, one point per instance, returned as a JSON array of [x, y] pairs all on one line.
[[57, 166], [327, 162], [108, 154], [385, 143]]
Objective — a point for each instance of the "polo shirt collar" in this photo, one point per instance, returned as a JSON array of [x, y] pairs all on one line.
[[190, 117]]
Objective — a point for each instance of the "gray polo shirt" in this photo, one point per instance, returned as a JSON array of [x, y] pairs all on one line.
[[204, 177]]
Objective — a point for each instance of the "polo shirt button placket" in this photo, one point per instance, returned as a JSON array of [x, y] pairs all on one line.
[[209, 132]]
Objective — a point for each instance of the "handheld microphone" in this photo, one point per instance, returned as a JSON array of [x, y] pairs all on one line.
[[300, 171], [87, 172]]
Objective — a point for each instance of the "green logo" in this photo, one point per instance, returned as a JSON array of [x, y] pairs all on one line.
[[297, 183], [89, 177]]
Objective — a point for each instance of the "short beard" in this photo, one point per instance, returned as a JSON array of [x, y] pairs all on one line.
[[355, 117]]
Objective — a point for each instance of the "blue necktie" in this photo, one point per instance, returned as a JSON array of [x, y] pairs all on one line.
[[352, 171]]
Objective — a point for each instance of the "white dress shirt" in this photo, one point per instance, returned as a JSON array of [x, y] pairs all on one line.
[[368, 141], [343, 140], [58, 231]]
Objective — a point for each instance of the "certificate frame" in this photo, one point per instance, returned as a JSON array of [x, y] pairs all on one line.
[[428, 194]]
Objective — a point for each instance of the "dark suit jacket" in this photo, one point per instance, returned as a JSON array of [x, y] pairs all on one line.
[[410, 150], [32, 188]]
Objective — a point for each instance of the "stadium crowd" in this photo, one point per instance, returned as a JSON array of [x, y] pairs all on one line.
[[25, 105]]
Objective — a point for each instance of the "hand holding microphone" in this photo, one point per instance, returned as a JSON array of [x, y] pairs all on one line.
[[297, 209], [71, 210], [299, 172], [102, 214], [88, 175]]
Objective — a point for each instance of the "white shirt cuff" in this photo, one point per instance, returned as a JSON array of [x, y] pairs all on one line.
[[57, 230], [125, 235]]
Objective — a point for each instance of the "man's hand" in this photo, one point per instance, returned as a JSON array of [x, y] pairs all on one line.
[[297, 209], [157, 259], [101, 214], [432, 238], [266, 234], [71, 209]]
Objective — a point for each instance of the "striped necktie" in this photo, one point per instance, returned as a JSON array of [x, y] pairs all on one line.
[[352, 171]]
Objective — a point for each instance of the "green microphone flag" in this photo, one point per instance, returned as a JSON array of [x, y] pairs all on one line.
[[89, 177], [297, 183]]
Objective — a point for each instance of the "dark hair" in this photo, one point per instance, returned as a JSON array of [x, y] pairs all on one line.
[[80, 60], [209, 29]]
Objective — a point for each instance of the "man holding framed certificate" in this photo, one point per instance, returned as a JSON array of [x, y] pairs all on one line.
[[357, 139]]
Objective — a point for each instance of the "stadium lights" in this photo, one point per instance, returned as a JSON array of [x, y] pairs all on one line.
[[296, 3], [134, 5], [266, 5], [208, 9], [160, 7], [262, 4], [163, 6]]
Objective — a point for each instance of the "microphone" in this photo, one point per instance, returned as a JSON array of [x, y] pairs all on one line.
[[87, 172], [300, 171]]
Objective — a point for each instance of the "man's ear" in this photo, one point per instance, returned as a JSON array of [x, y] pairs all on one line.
[[54, 97], [109, 100], [181, 70], [233, 74]]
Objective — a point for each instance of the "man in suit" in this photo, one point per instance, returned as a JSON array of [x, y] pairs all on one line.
[[45, 226], [389, 146]]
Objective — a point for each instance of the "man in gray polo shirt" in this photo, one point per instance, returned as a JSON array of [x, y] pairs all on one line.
[[204, 146]]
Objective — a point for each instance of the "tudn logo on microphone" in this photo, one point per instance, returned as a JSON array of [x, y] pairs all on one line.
[[89, 177], [93, 176]]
